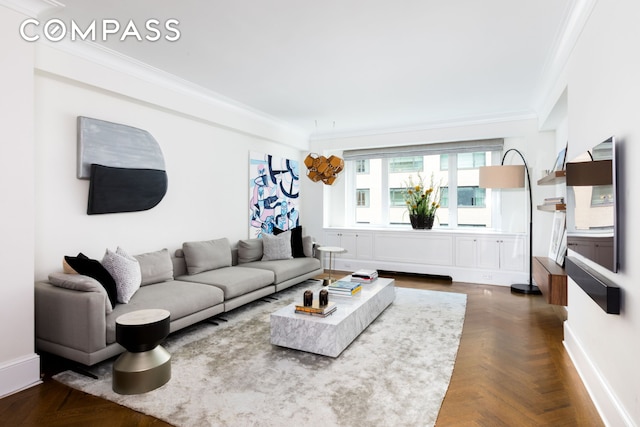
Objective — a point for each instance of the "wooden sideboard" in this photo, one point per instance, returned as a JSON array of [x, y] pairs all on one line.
[[551, 279]]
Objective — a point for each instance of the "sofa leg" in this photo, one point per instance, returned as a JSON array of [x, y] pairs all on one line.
[[214, 320], [273, 298], [79, 370]]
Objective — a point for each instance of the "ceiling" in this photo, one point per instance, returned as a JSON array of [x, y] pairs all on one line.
[[340, 66]]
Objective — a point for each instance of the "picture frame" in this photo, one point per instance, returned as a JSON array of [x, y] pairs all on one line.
[[560, 160], [562, 249], [557, 232]]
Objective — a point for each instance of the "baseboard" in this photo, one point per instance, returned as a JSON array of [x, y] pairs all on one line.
[[609, 407], [19, 374]]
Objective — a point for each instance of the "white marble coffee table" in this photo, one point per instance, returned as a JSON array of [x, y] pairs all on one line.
[[329, 336]]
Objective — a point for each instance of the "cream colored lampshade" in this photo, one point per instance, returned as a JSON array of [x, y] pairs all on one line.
[[505, 176]]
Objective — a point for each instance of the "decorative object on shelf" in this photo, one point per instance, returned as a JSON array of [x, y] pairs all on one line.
[[422, 201], [561, 159], [512, 176], [557, 232], [307, 298], [324, 297], [320, 168]]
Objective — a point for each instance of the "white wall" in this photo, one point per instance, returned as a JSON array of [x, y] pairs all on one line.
[[19, 365], [207, 165], [206, 145], [603, 94], [538, 148]]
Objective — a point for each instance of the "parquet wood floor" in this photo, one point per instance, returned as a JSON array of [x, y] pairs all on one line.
[[511, 370]]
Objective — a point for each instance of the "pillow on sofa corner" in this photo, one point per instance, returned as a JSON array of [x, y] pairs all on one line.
[[80, 282], [207, 255], [276, 247], [155, 267], [307, 246], [92, 268], [125, 270], [297, 249], [249, 250]]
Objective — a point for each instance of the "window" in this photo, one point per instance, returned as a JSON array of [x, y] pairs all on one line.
[[377, 196], [470, 196], [362, 166], [362, 197], [464, 161], [396, 197], [406, 164]]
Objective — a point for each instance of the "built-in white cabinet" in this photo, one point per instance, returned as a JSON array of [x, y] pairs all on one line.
[[358, 244], [491, 253], [490, 257]]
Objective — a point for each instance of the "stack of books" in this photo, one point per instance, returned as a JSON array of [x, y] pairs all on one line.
[[316, 309], [364, 276], [344, 288], [554, 200]]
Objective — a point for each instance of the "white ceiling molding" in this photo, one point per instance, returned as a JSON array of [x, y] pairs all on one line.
[[105, 57], [551, 86], [471, 121], [32, 8]]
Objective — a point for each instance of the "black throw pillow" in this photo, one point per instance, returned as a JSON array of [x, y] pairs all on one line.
[[92, 268], [297, 251]]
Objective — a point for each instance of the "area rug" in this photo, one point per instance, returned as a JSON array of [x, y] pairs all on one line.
[[396, 373]]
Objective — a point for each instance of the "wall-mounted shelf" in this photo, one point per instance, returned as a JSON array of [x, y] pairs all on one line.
[[555, 177], [553, 207]]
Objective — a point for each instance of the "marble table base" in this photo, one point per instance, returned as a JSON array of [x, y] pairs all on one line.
[[329, 336]]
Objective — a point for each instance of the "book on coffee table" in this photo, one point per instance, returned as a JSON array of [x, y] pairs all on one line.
[[343, 287], [311, 313], [315, 308]]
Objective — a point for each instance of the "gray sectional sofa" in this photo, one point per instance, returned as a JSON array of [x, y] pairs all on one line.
[[75, 319]]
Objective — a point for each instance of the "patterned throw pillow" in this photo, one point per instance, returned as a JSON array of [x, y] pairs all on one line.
[[276, 247], [125, 270]]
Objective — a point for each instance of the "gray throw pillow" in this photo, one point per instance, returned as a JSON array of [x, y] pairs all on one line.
[[125, 270], [276, 247], [207, 255], [249, 250], [155, 267], [80, 282]]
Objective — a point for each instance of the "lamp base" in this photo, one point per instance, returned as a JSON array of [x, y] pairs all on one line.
[[525, 288]]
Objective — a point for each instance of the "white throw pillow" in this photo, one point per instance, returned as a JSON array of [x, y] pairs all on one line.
[[125, 271], [276, 247]]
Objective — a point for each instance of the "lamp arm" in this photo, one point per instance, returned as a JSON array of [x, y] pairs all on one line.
[[526, 168]]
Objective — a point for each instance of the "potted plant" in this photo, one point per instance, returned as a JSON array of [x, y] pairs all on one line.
[[422, 201]]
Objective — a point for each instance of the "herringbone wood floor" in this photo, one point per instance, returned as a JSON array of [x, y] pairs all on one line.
[[511, 370]]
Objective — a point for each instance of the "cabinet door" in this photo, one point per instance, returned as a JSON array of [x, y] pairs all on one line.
[[332, 238], [512, 255], [466, 251], [364, 245], [349, 241], [488, 252]]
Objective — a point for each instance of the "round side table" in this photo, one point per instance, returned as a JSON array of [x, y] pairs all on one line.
[[146, 365], [330, 250]]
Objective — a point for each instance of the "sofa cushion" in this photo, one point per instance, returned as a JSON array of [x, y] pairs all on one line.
[[276, 247], [207, 255], [92, 268], [80, 282], [155, 267], [286, 269], [179, 298], [249, 250], [297, 250], [125, 270], [234, 281]]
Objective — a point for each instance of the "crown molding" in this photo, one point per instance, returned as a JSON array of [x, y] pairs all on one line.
[[32, 8], [551, 84], [108, 58], [460, 122]]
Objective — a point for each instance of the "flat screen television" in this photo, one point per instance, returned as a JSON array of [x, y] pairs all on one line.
[[592, 223]]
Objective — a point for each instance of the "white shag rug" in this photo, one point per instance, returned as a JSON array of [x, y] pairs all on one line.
[[396, 373]]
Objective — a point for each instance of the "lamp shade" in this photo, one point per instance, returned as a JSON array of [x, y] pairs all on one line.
[[505, 176]]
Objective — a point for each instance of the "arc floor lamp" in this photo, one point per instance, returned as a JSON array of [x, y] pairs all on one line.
[[512, 176]]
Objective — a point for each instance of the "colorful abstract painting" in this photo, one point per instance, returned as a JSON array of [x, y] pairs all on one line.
[[274, 188]]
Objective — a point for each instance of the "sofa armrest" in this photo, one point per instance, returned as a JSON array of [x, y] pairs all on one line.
[[70, 318]]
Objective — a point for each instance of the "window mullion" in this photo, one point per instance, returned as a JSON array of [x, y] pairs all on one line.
[[453, 190], [385, 203]]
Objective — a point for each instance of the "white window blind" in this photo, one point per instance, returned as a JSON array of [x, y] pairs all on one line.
[[426, 149]]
